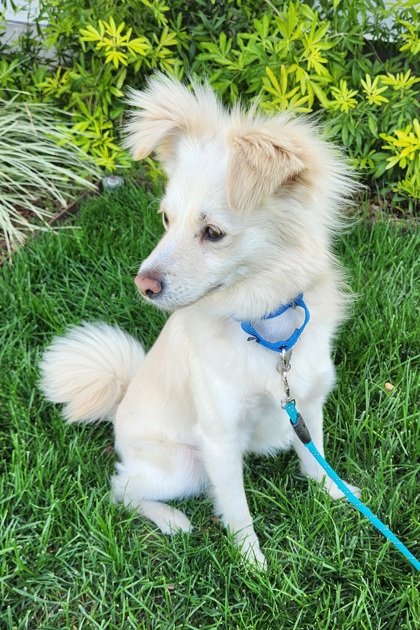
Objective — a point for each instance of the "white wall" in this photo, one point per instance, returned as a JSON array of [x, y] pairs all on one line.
[[27, 11], [17, 22]]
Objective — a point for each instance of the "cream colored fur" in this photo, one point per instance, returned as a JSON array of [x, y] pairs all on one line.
[[187, 413]]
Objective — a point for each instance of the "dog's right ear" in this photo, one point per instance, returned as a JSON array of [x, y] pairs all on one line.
[[259, 163]]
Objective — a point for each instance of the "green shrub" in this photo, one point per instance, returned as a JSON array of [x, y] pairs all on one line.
[[356, 61], [311, 59]]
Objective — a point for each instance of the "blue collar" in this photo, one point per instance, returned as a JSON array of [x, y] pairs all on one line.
[[285, 344]]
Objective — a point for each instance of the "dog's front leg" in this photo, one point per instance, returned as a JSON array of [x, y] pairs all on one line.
[[222, 458]]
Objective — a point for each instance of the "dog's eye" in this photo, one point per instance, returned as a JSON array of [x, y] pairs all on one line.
[[212, 233], [165, 220]]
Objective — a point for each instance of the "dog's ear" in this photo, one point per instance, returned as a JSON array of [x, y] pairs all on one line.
[[158, 118], [165, 110], [258, 165]]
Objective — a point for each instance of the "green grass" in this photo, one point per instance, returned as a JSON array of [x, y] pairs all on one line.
[[71, 559]]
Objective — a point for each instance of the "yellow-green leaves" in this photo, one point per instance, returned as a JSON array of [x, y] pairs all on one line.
[[314, 45], [343, 98], [411, 37], [400, 81], [405, 144], [118, 46], [285, 97], [372, 91]]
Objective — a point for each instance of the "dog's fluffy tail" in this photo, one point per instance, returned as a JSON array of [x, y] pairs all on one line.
[[89, 370]]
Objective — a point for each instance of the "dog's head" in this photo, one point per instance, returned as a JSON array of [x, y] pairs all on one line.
[[249, 204]]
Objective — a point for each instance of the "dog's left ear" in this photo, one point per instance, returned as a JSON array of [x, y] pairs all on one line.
[[258, 165]]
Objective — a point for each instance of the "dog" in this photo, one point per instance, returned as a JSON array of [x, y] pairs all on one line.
[[250, 209]]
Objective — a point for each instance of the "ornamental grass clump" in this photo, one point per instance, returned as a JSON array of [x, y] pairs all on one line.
[[40, 168]]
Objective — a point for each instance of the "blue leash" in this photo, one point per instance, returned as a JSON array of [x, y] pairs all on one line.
[[302, 431], [305, 437]]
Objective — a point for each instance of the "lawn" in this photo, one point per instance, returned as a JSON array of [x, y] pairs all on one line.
[[71, 559]]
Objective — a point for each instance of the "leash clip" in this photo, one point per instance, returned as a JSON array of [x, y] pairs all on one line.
[[283, 367]]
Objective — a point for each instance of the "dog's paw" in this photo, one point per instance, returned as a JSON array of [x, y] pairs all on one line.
[[249, 548], [175, 521], [336, 493], [168, 519], [255, 558]]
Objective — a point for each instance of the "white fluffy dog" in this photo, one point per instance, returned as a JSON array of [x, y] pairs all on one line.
[[250, 208]]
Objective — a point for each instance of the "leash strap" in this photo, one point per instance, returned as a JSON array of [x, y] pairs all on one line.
[[287, 344], [305, 437]]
